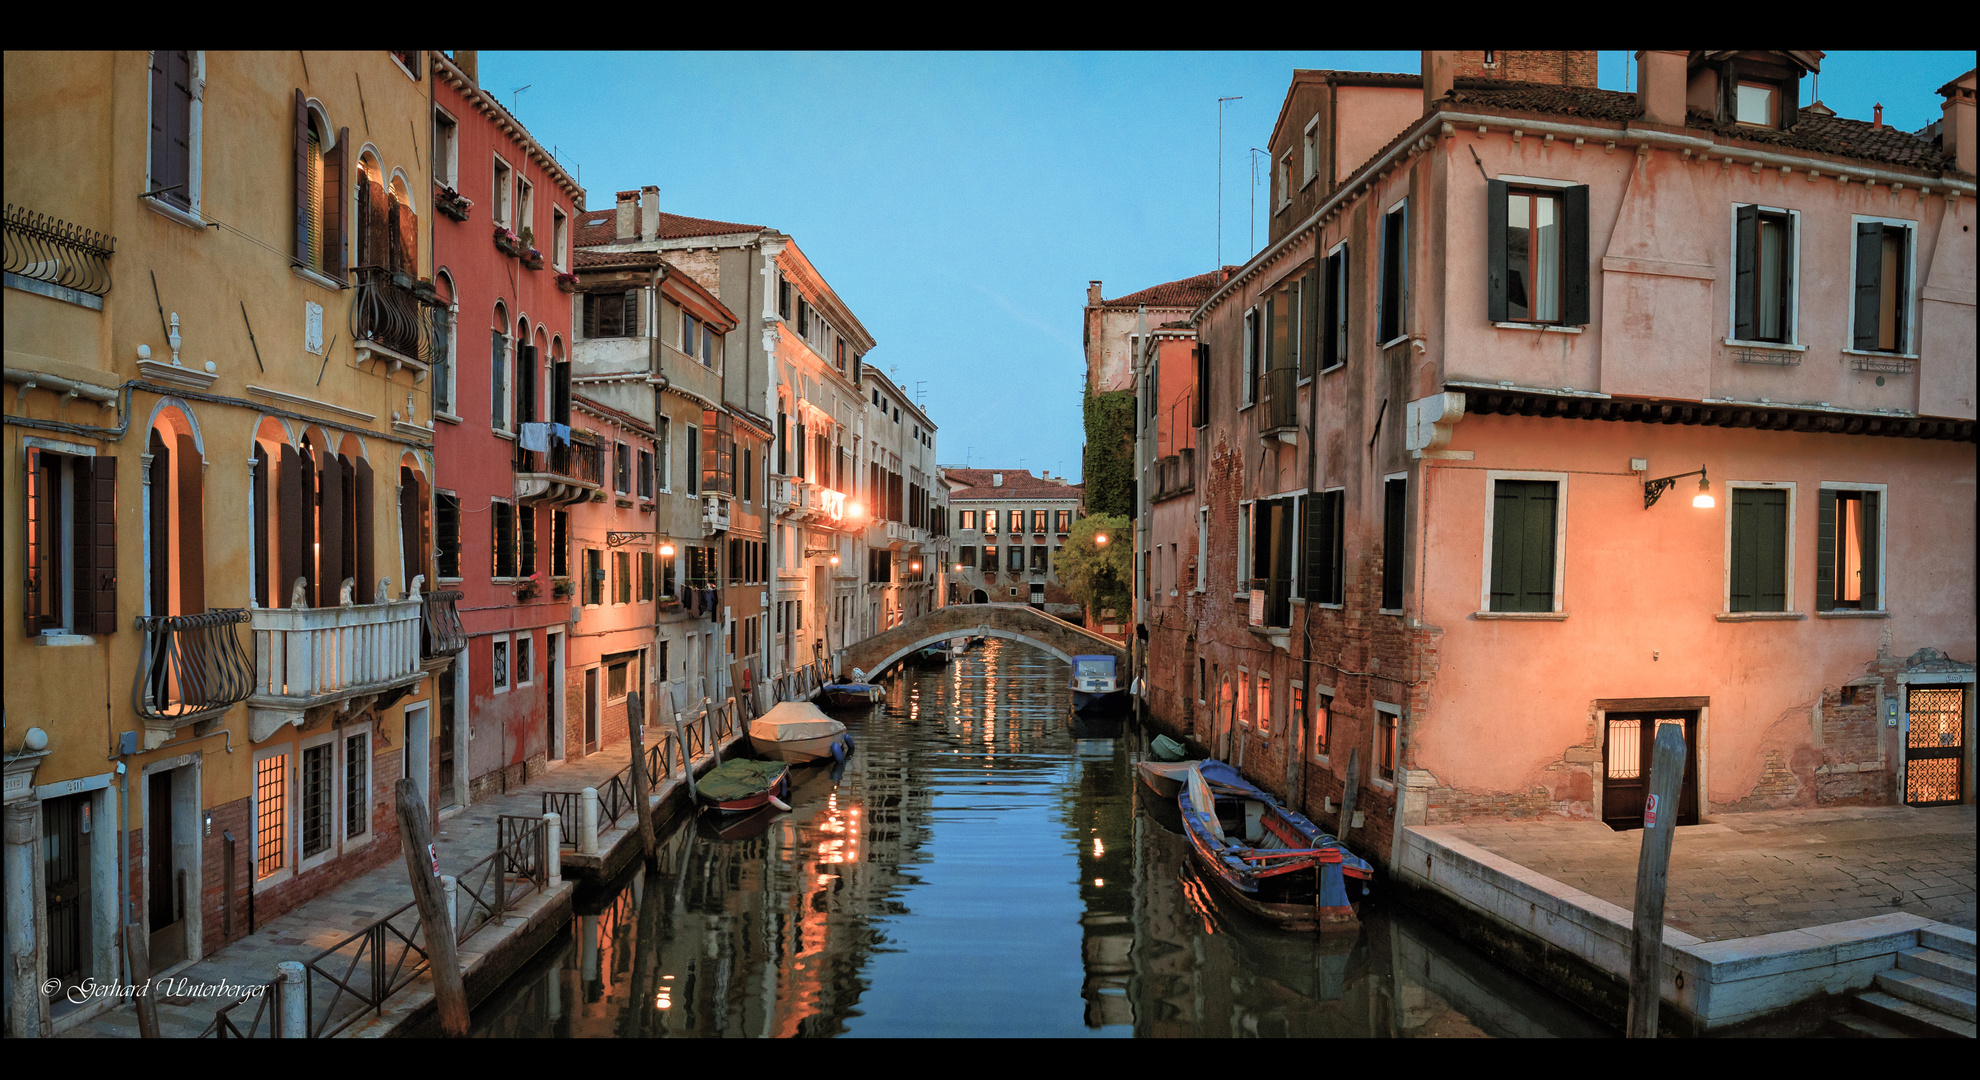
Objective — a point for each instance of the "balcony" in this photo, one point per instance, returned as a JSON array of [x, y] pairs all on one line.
[[565, 473], [714, 514], [1278, 413], [309, 662], [1174, 475], [389, 324], [192, 668], [71, 261]]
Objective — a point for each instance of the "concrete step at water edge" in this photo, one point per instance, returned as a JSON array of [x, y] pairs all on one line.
[[1851, 1026], [1952, 941], [1917, 1019], [1954, 1001], [1933, 964]]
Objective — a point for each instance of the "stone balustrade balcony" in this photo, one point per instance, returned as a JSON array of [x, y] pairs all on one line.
[[308, 661]]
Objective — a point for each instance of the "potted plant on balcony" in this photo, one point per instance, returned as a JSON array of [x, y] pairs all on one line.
[[533, 259], [562, 588], [507, 242], [567, 281], [452, 203], [529, 587]]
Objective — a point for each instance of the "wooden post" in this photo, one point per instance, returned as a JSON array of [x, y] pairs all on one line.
[[138, 945], [1348, 794], [687, 760], [416, 841], [1653, 864], [635, 721]]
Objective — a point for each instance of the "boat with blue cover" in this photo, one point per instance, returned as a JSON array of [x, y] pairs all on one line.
[[1266, 857], [1096, 689]]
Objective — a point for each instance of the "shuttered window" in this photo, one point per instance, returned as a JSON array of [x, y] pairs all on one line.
[[1524, 520], [85, 554], [447, 534], [560, 543], [502, 524], [1395, 274], [1334, 320], [1250, 357], [594, 576], [526, 534], [1394, 507], [1848, 542], [171, 127], [1537, 248], [1882, 297], [1763, 275], [1321, 575], [1759, 549], [645, 576]]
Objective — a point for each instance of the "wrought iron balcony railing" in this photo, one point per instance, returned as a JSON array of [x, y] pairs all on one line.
[[1280, 409], [192, 667], [442, 634], [51, 250], [565, 473], [388, 322]]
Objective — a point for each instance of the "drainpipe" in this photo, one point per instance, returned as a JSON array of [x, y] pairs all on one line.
[[1137, 650]]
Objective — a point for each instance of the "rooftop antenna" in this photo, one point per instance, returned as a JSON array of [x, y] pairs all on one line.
[[1220, 177], [1253, 235], [512, 96], [921, 395], [577, 174]]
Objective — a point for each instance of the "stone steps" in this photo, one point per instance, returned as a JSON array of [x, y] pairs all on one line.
[[1929, 993]]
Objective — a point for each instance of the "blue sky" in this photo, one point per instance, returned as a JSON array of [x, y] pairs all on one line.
[[960, 202]]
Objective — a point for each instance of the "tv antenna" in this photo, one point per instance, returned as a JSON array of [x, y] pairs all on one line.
[[1220, 177], [512, 96]]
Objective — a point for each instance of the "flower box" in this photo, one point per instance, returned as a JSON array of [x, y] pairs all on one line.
[[452, 203], [533, 259], [507, 242]]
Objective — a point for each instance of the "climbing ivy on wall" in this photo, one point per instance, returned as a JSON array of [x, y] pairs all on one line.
[[1108, 469]]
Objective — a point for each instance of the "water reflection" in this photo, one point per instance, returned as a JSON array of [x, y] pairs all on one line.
[[979, 868]]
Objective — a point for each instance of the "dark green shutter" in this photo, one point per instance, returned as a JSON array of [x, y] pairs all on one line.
[[1759, 549], [1523, 516], [302, 207], [1869, 281], [1746, 271], [1574, 256], [1497, 198], [1872, 566], [1825, 551], [1323, 520]]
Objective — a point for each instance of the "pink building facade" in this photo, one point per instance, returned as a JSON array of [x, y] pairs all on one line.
[[1441, 407], [508, 463]]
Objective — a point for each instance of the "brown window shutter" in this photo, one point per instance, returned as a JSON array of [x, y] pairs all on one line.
[[374, 222], [96, 542], [336, 223], [36, 557], [157, 495], [258, 484], [191, 510], [350, 526], [302, 207], [409, 545], [171, 126], [1498, 306], [330, 530], [405, 238], [291, 561], [366, 560]]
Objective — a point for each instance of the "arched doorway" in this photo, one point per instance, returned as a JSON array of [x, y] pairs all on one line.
[[979, 597]]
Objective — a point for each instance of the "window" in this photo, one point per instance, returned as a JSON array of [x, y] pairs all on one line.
[[1285, 180], [71, 538], [594, 577], [690, 328], [1849, 540], [1764, 256], [645, 474], [271, 814], [611, 314], [499, 668], [319, 239], [1016, 562], [498, 373], [1323, 723], [178, 85], [444, 368], [1538, 239], [1389, 321], [560, 230], [1064, 521], [622, 468], [967, 556], [1202, 678], [693, 460], [1523, 522], [1272, 531], [522, 674], [526, 540], [525, 378], [560, 543], [1334, 320], [357, 785], [1386, 721], [1311, 148], [446, 150], [783, 297], [526, 211], [990, 558], [1038, 559], [1882, 289], [1756, 103], [1250, 358], [966, 519], [447, 535], [316, 802], [645, 577], [499, 189], [502, 529], [1244, 697], [622, 577], [1757, 552], [664, 441], [617, 671], [1038, 521], [1395, 504], [1325, 521], [1265, 703]]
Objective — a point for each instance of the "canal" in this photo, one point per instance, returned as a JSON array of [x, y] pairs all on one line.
[[975, 869]]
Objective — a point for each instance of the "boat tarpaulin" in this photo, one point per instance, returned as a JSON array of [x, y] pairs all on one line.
[[792, 721], [738, 778], [1201, 801]]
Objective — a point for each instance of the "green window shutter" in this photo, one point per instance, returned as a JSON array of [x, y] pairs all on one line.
[[1869, 282], [1759, 549], [1872, 566], [1574, 256], [1523, 517], [1497, 196], [1825, 551], [1746, 273]]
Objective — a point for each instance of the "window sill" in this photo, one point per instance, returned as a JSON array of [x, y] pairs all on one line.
[[1400, 338], [1778, 346], [188, 218], [1881, 354], [1387, 787], [1336, 367], [1848, 613], [1759, 616], [1398, 611], [1549, 327], [448, 417], [500, 434], [62, 641], [1530, 616], [314, 278]]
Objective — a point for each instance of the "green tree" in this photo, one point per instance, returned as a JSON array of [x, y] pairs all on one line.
[[1099, 575], [1107, 467]]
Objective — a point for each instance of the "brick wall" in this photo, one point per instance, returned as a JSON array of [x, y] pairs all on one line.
[[1569, 68]]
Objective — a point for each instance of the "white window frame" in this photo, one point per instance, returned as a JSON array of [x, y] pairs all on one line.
[[1375, 747], [523, 641], [1327, 327], [525, 208], [584, 579], [612, 577], [447, 158], [1789, 611], [1492, 478], [452, 412], [344, 839], [560, 231], [507, 385], [1912, 287], [1793, 341], [304, 864], [1249, 346], [65, 535], [291, 843], [1284, 178], [499, 209], [1311, 146], [1883, 541], [1243, 592], [501, 677], [1313, 752], [1381, 271], [195, 132]]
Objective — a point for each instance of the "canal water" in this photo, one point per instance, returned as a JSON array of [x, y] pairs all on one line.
[[981, 868]]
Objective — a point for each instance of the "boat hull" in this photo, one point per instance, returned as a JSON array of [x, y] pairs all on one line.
[[767, 783], [1299, 884], [1099, 703], [797, 751], [850, 695]]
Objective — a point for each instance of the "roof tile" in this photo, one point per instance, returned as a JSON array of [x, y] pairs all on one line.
[[1186, 293]]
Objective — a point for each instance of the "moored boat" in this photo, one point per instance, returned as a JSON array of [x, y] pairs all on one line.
[[1270, 860], [1095, 686], [936, 655], [845, 695], [740, 785], [798, 731]]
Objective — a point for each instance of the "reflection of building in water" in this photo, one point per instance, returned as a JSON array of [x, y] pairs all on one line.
[[1101, 824]]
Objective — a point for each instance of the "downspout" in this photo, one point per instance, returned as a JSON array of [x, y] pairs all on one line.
[[1138, 649], [1295, 789]]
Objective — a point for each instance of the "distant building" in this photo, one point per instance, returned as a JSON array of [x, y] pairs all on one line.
[[1008, 526], [1113, 335]]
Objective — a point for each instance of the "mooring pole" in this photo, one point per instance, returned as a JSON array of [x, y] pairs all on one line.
[[635, 720], [1350, 789], [687, 760], [423, 866], [1653, 866]]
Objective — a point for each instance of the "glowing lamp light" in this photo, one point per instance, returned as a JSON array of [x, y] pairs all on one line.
[[1100, 540], [666, 551], [1653, 489], [1703, 500], [855, 510], [914, 566], [835, 560]]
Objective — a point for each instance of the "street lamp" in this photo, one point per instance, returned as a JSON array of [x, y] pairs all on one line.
[[1653, 489], [1100, 540]]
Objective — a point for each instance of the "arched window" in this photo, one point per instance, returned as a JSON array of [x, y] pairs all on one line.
[[560, 384], [443, 314], [374, 214], [274, 506], [320, 234], [498, 368], [415, 524], [526, 366], [402, 226], [175, 511]]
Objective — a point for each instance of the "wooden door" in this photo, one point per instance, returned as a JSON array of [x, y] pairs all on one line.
[[65, 851], [1627, 741], [590, 710], [445, 685], [166, 900]]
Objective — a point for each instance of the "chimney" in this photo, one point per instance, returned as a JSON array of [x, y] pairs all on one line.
[[996, 479], [1439, 76], [649, 212], [628, 216], [1660, 79], [1877, 118], [1956, 135], [1092, 294], [469, 62]]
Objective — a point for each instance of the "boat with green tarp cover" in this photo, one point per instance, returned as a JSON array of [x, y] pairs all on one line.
[[739, 785]]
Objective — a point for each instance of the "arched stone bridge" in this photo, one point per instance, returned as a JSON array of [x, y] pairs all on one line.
[[1014, 622]]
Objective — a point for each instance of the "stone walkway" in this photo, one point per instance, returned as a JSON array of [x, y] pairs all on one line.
[[1744, 875], [461, 840]]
